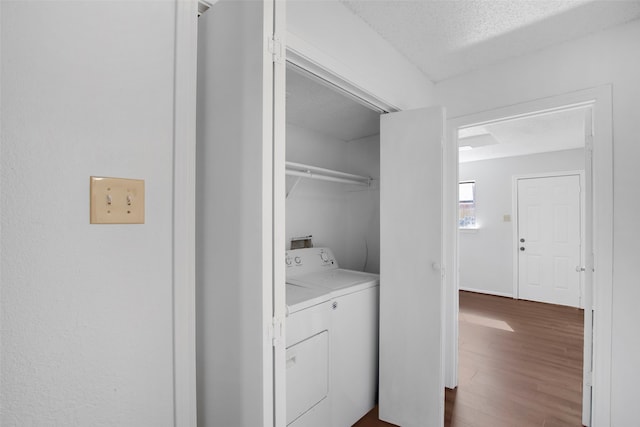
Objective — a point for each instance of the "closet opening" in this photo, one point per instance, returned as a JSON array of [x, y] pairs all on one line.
[[332, 247]]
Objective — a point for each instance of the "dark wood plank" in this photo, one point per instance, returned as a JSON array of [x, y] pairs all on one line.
[[520, 365]]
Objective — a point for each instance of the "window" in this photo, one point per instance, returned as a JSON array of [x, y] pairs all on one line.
[[467, 199]]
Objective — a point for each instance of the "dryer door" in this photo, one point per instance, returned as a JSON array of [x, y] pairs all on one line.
[[307, 375]]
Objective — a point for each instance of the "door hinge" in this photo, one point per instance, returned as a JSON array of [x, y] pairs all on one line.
[[276, 49], [588, 143], [276, 332]]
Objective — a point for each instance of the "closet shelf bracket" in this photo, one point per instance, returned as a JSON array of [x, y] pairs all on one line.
[[293, 187]]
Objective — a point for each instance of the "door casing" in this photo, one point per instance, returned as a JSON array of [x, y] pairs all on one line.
[[600, 100]]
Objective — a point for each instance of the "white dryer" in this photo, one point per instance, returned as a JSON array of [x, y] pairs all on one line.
[[354, 329]]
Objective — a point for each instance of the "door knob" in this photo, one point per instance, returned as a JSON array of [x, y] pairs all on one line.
[[522, 248], [580, 269], [521, 240]]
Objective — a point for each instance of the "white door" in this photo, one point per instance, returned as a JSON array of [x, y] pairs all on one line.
[[239, 162], [549, 230], [411, 390]]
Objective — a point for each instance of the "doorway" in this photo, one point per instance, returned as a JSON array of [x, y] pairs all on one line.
[[598, 101], [524, 181]]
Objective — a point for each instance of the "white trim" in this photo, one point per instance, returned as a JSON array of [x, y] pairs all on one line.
[[450, 239], [515, 218], [485, 117], [279, 225], [549, 174], [600, 97], [603, 250], [587, 275], [267, 227], [486, 292], [184, 201], [514, 237]]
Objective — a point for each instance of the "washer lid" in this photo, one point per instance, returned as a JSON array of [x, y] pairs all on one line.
[[299, 297], [339, 281]]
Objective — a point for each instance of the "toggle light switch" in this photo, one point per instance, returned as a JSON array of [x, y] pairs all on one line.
[[117, 201]]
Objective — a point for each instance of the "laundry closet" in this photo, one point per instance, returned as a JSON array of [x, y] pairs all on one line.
[[327, 129], [332, 254]]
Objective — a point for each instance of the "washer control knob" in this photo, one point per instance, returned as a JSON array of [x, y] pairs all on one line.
[[324, 257], [298, 260], [288, 260]]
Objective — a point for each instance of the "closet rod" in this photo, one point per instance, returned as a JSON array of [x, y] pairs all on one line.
[[315, 172], [323, 171], [313, 175]]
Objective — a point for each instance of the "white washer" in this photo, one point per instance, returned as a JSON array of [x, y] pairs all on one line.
[[354, 329], [308, 376]]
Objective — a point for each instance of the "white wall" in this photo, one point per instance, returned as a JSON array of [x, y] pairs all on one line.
[[315, 207], [609, 57], [363, 246], [338, 216], [486, 254], [327, 33], [86, 310]]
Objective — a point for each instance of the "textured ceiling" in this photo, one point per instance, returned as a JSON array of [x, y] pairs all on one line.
[[452, 37], [543, 133], [314, 106]]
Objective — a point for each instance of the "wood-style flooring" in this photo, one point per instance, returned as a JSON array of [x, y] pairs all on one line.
[[520, 365]]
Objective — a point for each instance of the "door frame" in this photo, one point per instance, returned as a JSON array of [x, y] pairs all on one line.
[[184, 213], [516, 218], [184, 222], [600, 100]]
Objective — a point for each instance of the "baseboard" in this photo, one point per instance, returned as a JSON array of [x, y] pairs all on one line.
[[484, 291]]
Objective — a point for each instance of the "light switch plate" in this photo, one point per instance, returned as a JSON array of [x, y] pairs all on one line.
[[117, 200]]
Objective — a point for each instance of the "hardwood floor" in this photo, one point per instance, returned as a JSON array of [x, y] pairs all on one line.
[[520, 365]]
